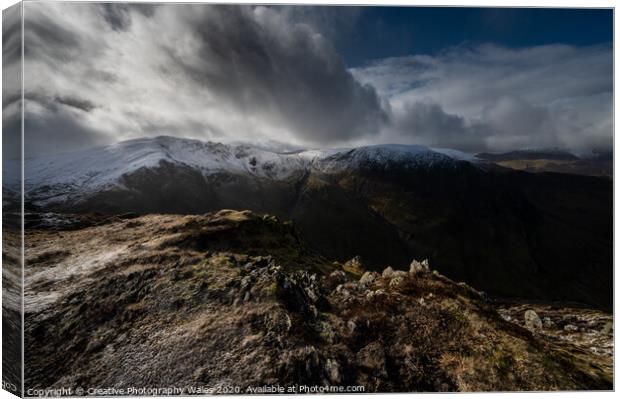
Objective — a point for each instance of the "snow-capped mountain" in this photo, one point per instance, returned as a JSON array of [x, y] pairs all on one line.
[[383, 157], [103, 165], [52, 179], [58, 178]]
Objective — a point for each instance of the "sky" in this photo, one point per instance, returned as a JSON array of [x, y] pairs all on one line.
[[472, 79]]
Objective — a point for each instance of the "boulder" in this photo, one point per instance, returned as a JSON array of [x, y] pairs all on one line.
[[355, 265], [388, 272], [332, 368], [608, 328], [368, 278], [351, 326], [418, 267], [532, 321], [338, 275], [336, 278], [571, 328]]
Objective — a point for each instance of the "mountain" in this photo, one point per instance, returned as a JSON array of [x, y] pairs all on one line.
[[383, 157], [488, 226], [234, 300], [556, 161], [553, 154], [72, 178]]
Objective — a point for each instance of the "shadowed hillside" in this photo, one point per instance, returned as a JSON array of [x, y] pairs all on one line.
[[237, 299], [551, 233]]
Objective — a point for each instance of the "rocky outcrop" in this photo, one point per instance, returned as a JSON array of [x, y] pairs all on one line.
[[236, 299]]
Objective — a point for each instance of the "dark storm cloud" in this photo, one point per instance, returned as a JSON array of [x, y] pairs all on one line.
[[109, 72], [9, 99], [79, 103], [286, 72], [211, 72], [11, 82], [332, 21], [11, 35], [429, 124], [46, 38], [118, 15], [51, 129]]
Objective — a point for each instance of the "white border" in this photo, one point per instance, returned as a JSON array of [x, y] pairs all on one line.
[[480, 3]]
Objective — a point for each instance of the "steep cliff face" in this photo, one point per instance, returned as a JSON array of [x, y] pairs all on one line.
[[237, 300]]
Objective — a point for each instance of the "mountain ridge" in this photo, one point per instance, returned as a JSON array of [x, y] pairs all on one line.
[[55, 178], [487, 226]]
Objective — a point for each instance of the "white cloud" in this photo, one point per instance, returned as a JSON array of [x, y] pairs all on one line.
[[101, 73], [544, 96]]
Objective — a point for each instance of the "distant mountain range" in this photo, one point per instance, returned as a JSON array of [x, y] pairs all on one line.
[[532, 235], [558, 161]]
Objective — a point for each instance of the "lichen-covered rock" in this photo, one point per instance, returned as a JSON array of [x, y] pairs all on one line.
[[387, 272], [339, 276], [332, 368], [368, 278], [355, 265], [571, 328], [396, 281], [608, 328], [418, 267], [532, 320]]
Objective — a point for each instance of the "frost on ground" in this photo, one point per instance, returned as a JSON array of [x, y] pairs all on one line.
[[237, 298]]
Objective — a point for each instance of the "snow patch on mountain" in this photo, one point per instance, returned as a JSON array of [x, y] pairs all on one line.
[[384, 156], [456, 154], [67, 177], [102, 167]]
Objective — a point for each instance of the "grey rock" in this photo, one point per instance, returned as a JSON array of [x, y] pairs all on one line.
[[608, 328], [532, 320], [332, 368], [418, 267], [338, 275], [368, 278], [355, 263], [351, 326], [388, 272], [571, 328]]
